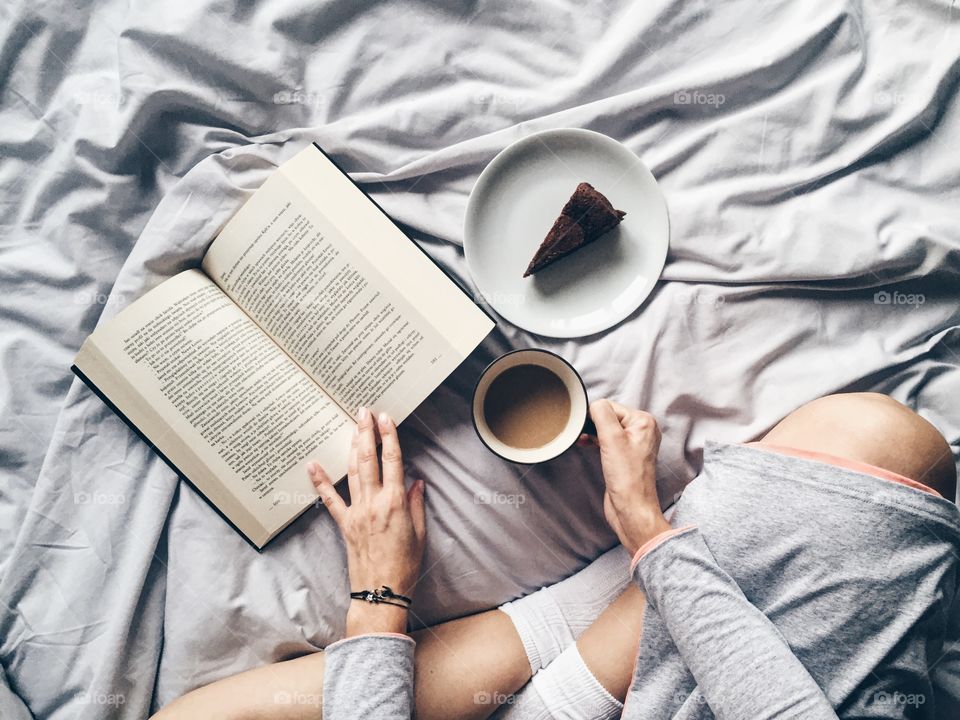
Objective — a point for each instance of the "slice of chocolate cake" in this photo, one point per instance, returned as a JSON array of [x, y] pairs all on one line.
[[586, 216]]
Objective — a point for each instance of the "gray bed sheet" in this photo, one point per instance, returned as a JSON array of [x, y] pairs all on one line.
[[808, 155]]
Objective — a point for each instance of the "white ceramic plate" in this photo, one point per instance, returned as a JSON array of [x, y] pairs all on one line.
[[513, 205]]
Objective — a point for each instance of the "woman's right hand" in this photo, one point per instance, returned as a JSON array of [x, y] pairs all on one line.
[[629, 442], [383, 527]]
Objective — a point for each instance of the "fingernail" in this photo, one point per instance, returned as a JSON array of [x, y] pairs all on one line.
[[384, 420], [312, 468], [362, 414]]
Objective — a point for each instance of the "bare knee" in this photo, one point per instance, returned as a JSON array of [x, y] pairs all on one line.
[[875, 429]]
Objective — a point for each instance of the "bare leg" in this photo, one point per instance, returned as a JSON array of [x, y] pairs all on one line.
[[291, 690], [454, 667], [609, 646], [874, 429], [455, 661], [466, 667]]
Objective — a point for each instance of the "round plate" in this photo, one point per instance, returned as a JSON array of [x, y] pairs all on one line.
[[513, 206]]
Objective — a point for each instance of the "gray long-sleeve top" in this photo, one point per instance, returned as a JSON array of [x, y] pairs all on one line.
[[741, 663], [820, 592], [743, 666], [369, 676]]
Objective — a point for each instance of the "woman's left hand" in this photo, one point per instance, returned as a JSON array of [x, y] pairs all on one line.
[[383, 526]]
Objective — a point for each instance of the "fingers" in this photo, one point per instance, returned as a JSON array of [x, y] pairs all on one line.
[[417, 510], [630, 419], [331, 499], [587, 440], [622, 411], [390, 453], [366, 448], [609, 431], [353, 472]]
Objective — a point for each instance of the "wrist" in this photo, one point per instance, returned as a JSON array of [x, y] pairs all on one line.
[[365, 617], [657, 525]]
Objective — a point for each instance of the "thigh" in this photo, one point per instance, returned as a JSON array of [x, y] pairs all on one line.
[[873, 429]]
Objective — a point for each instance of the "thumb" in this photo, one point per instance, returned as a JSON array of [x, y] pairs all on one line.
[[604, 416], [417, 510]]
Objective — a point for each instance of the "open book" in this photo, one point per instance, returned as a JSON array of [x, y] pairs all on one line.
[[310, 303]]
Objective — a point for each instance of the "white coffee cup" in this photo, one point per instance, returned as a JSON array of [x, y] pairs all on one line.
[[577, 423]]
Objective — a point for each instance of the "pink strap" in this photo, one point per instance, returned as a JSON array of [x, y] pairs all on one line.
[[855, 465]]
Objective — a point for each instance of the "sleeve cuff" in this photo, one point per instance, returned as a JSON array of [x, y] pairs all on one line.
[[655, 541], [367, 636]]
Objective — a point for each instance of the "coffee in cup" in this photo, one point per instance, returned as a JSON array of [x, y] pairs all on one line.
[[529, 406]]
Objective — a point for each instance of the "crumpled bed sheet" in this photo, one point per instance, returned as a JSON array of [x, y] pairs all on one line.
[[808, 155]]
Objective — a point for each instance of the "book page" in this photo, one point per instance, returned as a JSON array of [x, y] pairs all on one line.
[[226, 405], [353, 315]]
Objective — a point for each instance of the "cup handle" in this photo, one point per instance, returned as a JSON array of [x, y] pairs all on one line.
[[588, 427]]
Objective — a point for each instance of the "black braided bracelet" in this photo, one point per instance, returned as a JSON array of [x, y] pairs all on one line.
[[385, 595]]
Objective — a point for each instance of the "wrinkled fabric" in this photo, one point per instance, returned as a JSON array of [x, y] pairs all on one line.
[[806, 153]]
